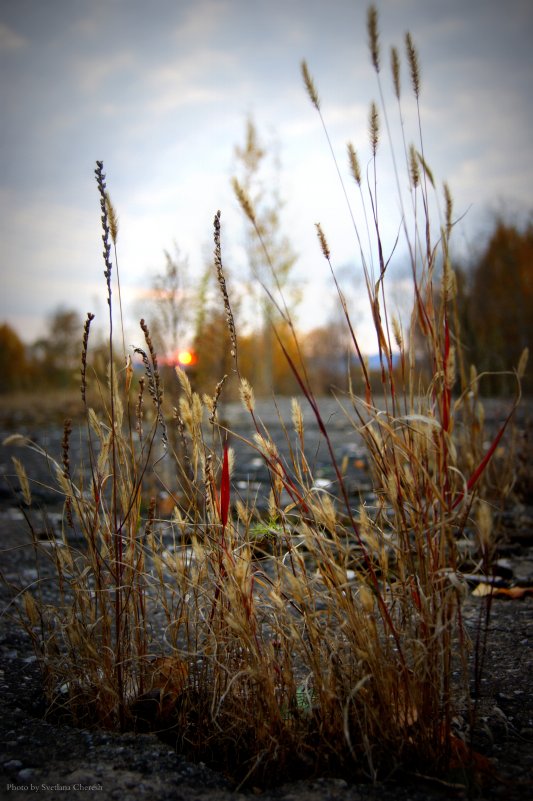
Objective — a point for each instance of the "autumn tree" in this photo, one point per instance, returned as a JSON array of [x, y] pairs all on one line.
[[496, 305], [211, 340], [269, 252], [57, 353], [328, 351], [14, 365]]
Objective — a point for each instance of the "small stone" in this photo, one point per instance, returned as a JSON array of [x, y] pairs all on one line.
[[13, 764], [26, 774]]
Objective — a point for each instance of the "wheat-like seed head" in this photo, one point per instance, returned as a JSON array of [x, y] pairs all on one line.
[[222, 284], [216, 398], [414, 65], [353, 161], [450, 369], [112, 218], [427, 169], [448, 200], [373, 125], [183, 378], [373, 36], [244, 513], [397, 332], [100, 182], [414, 168], [185, 412], [85, 345], [449, 281], [522, 363], [297, 417], [266, 446], [65, 446], [244, 200], [395, 69], [272, 505], [310, 86], [323, 242], [22, 476], [247, 394]]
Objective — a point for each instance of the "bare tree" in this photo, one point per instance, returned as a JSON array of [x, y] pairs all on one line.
[[171, 307], [270, 254]]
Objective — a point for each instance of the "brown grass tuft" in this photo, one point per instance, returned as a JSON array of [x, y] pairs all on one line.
[[323, 635]]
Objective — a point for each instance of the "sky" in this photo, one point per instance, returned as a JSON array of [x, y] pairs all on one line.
[[161, 92]]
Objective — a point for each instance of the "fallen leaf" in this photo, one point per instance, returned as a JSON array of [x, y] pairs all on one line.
[[515, 593], [482, 590]]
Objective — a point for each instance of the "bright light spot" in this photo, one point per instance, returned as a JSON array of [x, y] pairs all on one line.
[[185, 357]]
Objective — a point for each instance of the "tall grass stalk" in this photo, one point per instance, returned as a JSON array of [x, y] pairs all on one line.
[[327, 639]]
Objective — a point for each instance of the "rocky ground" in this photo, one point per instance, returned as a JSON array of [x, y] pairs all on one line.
[[39, 758]]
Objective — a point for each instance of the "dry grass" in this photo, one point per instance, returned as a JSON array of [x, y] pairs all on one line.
[[329, 647]]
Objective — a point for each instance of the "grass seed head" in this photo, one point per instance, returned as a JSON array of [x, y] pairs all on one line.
[[247, 394], [414, 65], [397, 331], [448, 200], [373, 36], [414, 167], [373, 127], [395, 69], [323, 241], [353, 161], [113, 218], [522, 363], [24, 483], [297, 417], [221, 278], [310, 86]]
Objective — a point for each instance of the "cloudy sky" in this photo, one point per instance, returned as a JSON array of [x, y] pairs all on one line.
[[161, 91]]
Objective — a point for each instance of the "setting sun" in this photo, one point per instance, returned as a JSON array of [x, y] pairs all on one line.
[[186, 357]]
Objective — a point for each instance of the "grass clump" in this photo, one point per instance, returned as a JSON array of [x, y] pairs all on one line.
[[325, 638]]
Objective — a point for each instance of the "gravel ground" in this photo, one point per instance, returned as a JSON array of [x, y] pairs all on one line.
[[39, 758], [55, 762]]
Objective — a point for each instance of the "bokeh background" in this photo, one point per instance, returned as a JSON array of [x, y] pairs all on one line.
[[162, 92]]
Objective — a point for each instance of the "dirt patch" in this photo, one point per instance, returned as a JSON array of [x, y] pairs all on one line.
[[39, 758]]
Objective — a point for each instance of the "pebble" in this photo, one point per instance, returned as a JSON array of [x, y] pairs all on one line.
[[26, 774], [13, 764]]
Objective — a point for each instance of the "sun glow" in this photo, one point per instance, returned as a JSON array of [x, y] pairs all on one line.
[[186, 358]]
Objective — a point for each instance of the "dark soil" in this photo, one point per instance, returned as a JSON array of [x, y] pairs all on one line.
[[58, 761], [40, 758]]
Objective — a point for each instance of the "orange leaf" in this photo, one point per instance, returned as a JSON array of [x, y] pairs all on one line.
[[514, 592]]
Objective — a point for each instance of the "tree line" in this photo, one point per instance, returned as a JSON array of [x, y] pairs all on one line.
[[494, 308]]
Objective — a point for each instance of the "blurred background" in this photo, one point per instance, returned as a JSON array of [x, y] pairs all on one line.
[[177, 97]]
